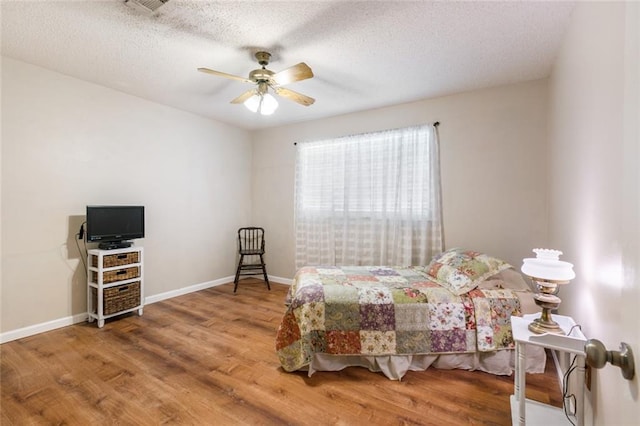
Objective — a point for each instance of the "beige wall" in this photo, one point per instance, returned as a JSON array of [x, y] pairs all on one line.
[[594, 188], [493, 153], [68, 143]]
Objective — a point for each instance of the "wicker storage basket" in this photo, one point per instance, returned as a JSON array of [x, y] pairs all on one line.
[[117, 299], [117, 275], [111, 260]]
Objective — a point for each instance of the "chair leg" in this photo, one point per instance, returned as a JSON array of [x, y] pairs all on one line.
[[235, 287], [264, 272]]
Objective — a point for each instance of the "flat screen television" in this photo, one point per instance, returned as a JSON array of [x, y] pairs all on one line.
[[114, 226]]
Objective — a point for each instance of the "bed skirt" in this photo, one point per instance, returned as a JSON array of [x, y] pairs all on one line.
[[395, 366]]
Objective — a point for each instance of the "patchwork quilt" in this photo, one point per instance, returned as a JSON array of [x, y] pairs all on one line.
[[381, 310]]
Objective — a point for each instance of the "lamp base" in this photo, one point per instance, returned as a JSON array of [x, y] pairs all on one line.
[[540, 326]]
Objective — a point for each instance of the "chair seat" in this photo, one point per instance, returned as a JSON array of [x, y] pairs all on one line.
[[251, 252]]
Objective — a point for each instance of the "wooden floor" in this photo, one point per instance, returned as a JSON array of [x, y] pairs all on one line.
[[209, 358]]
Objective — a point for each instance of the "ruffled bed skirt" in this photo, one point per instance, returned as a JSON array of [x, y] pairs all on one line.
[[395, 366]]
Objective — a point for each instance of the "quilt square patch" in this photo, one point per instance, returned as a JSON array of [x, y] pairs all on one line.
[[502, 309], [343, 316], [362, 279], [307, 270], [485, 338], [295, 354], [408, 295], [393, 279], [410, 316], [334, 279], [469, 313], [378, 342], [472, 337], [343, 342], [377, 317], [424, 284], [413, 342], [446, 316], [338, 294], [411, 272], [374, 295], [288, 331], [310, 316], [315, 341], [355, 270], [382, 271], [330, 271], [308, 294], [439, 294], [449, 341]]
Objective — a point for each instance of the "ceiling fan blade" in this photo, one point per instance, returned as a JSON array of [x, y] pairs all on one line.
[[246, 95], [292, 74], [294, 96], [225, 75]]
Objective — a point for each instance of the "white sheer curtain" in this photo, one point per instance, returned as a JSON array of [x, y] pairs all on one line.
[[370, 199]]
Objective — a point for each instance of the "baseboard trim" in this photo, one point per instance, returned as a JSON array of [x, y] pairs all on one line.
[[280, 280], [42, 327], [186, 290], [32, 330]]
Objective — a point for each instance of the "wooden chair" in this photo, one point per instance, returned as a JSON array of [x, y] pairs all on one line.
[[251, 243]]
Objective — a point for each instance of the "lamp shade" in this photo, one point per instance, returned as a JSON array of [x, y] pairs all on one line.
[[253, 103], [269, 104], [264, 103], [547, 266]]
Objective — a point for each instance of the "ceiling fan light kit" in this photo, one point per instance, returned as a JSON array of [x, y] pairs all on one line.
[[259, 99], [264, 104]]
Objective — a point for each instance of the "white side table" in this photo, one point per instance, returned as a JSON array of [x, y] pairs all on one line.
[[573, 343]]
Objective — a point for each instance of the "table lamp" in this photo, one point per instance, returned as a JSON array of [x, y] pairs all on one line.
[[547, 272]]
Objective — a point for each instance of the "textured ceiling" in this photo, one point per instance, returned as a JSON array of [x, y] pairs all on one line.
[[364, 54]]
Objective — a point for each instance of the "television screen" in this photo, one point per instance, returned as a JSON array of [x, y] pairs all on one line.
[[111, 225]]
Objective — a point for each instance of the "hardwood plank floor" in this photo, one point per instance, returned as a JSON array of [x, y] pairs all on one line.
[[208, 358]]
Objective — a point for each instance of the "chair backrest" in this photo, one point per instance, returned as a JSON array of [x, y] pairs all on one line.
[[251, 239]]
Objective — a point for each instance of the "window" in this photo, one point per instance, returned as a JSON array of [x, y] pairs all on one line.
[[369, 199]]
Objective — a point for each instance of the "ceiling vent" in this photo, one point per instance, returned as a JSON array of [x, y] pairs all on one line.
[[145, 5]]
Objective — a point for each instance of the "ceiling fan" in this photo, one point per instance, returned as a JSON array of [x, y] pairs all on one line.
[[258, 99]]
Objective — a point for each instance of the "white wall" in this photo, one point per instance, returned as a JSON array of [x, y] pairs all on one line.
[[68, 143], [594, 188], [493, 153]]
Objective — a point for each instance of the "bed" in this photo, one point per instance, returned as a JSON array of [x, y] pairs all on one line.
[[453, 313]]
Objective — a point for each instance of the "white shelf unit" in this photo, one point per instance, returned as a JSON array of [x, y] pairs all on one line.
[[525, 411], [115, 283]]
